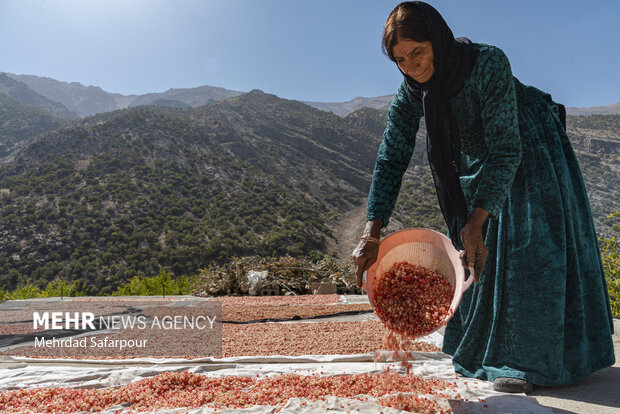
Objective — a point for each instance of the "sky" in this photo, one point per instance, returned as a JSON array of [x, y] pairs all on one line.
[[313, 50]]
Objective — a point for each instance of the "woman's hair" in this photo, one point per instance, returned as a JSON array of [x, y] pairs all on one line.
[[405, 22]]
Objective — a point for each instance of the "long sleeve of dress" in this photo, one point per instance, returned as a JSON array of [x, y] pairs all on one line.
[[393, 157], [498, 103]]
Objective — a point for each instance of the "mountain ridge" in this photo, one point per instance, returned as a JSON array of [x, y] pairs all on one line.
[[21, 92], [613, 109], [347, 107], [90, 100]]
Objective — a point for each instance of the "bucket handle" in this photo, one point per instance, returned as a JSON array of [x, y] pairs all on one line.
[[470, 279]]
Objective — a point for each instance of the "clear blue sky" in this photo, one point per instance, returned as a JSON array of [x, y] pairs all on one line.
[[319, 50]]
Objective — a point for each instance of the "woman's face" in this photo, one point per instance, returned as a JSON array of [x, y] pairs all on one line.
[[414, 59]]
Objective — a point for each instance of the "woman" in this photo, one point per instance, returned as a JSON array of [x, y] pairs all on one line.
[[513, 198]]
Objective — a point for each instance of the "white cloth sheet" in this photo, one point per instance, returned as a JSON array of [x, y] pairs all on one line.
[[20, 372]]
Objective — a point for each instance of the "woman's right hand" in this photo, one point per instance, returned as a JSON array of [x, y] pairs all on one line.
[[365, 254]]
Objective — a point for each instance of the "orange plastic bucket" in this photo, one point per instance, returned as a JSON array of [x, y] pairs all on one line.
[[422, 247]]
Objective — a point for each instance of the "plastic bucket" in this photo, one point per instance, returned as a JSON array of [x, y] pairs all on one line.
[[422, 247]]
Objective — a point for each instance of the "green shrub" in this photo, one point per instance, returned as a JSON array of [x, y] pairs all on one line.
[[162, 284], [613, 286], [610, 254], [60, 288], [28, 291]]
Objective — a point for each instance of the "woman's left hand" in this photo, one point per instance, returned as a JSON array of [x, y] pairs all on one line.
[[475, 253]]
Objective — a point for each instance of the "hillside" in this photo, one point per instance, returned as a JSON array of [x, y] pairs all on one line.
[[191, 97], [128, 192], [596, 140], [347, 107], [132, 191], [24, 94], [19, 121], [80, 99]]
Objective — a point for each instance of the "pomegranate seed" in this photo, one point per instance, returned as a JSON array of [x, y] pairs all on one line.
[[411, 300]]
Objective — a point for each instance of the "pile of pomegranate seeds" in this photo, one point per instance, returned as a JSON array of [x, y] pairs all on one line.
[[132, 299], [279, 300], [16, 328], [241, 313], [411, 300], [316, 338], [291, 339], [170, 390]]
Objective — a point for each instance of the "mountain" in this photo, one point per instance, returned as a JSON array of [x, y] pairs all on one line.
[[193, 97], [21, 92], [80, 99], [596, 140], [595, 110], [128, 192], [345, 108], [170, 103], [19, 121], [90, 100]]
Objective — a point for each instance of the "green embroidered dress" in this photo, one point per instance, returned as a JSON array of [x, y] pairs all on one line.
[[540, 310]]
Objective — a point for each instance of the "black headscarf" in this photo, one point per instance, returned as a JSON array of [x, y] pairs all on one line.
[[453, 62]]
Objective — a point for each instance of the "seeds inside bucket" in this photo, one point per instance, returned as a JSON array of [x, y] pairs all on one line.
[[411, 300]]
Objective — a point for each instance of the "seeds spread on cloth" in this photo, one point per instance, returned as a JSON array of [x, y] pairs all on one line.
[[171, 390]]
